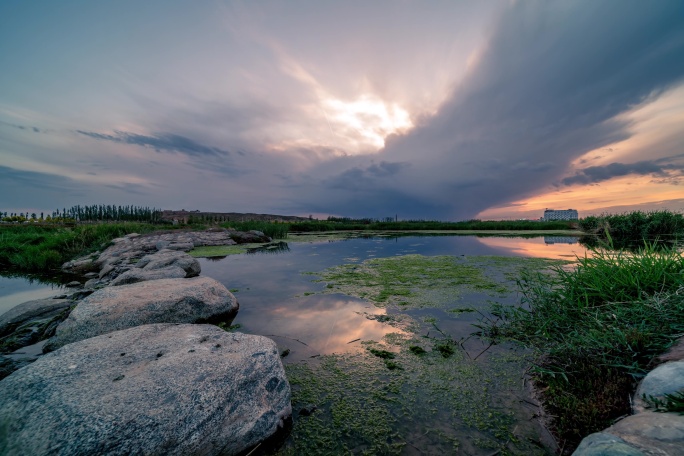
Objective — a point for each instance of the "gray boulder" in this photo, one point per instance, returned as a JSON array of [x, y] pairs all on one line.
[[602, 444], [166, 258], [141, 275], [652, 432], [665, 379], [196, 300], [154, 389]]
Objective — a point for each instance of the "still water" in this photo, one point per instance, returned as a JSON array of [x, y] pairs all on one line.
[[276, 290], [272, 286]]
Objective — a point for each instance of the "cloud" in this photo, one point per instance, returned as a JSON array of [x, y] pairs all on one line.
[[596, 174], [548, 86], [161, 142], [22, 127]]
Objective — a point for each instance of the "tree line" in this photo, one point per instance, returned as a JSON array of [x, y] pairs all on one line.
[[92, 213]]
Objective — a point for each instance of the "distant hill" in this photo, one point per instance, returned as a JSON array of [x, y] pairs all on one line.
[[183, 216]]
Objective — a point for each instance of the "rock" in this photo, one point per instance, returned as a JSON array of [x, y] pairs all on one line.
[[249, 237], [652, 432], [602, 444], [30, 322], [27, 311], [166, 258], [73, 284], [106, 269], [196, 300], [674, 353], [81, 265], [153, 389], [161, 245], [91, 275], [142, 275], [665, 379], [184, 246], [9, 365]]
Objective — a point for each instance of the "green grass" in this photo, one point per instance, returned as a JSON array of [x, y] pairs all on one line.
[[632, 229], [597, 328], [36, 248]]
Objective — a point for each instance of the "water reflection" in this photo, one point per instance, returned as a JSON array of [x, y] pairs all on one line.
[[560, 248], [321, 324], [561, 240], [274, 247], [15, 290]]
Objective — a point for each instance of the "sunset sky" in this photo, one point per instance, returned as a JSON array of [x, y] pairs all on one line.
[[444, 110]]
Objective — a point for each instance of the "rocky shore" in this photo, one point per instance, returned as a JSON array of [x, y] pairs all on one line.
[[133, 364]]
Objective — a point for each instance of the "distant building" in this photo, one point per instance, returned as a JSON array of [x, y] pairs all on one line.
[[567, 214]]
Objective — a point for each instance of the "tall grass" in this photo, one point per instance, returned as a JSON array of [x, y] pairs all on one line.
[[631, 229], [597, 327], [34, 248]]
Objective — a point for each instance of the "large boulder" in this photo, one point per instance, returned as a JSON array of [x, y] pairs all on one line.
[[196, 300], [154, 390]]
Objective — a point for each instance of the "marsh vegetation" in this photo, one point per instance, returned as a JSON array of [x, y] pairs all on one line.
[[597, 328]]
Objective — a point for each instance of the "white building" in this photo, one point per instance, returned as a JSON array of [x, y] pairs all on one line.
[[567, 214]]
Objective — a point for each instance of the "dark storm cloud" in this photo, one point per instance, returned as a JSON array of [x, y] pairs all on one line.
[[545, 89], [365, 178], [595, 174], [35, 188], [165, 141]]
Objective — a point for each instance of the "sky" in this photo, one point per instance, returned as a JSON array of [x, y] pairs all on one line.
[[444, 110]]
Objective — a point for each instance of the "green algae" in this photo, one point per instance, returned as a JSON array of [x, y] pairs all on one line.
[[370, 404], [209, 251], [417, 281], [412, 392]]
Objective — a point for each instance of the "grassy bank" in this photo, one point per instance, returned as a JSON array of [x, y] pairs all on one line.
[[632, 229], [597, 328], [38, 248]]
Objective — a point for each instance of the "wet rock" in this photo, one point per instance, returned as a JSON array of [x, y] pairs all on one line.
[[73, 284], [602, 444], [91, 275], [31, 322], [195, 300], [210, 392], [28, 311]]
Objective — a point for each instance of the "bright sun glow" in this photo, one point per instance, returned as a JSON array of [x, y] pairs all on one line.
[[366, 121]]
